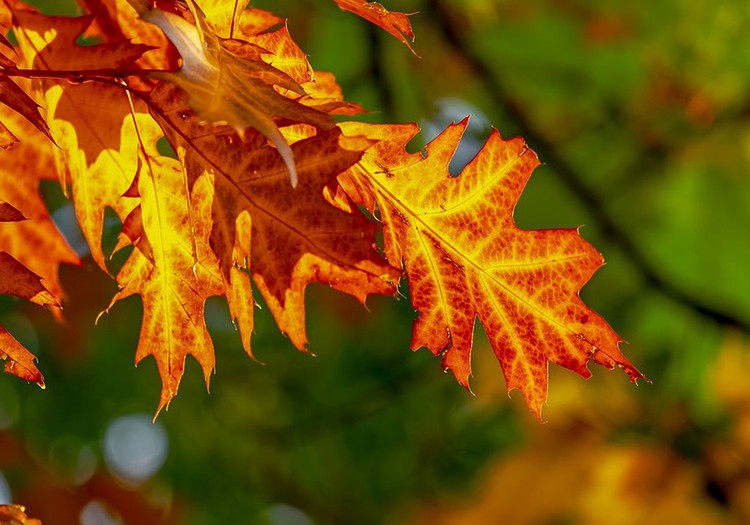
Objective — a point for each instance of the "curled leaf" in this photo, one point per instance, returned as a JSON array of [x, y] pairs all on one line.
[[228, 82]]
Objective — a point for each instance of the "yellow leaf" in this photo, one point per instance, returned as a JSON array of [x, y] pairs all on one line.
[[176, 279]]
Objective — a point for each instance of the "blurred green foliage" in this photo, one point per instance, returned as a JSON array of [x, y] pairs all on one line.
[[645, 110]]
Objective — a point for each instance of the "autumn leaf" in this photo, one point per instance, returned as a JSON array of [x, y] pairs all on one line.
[[465, 258], [7, 139], [8, 213], [36, 242], [228, 82], [395, 23], [15, 515], [18, 360], [15, 98], [10, 93], [16, 279], [285, 238], [280, 51], [174, 276], [49, 44], [94, 124]]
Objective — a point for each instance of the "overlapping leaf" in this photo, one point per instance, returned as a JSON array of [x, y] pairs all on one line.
[[297, 237], [466, 258], [228, 81], [36, 242], [10, 93], [92, 123], [16, 279], [222, 214]]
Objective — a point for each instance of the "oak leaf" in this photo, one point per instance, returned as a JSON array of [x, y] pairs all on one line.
[[227, 81], [174, 275], [49, 43], [17, 99], [284, 237], [10, 93], [466, 258], [16, 279], [94, 124], [397, 24], [36, 242]]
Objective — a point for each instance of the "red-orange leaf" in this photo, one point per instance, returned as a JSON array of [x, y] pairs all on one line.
[[92, 123], [9, 213], [16, 279], [18, 361], [395, 23], [35, 242], [466, 258], [54, 46], [15, 98]]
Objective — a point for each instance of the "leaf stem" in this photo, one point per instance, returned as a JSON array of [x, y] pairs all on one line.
[[78, 75]]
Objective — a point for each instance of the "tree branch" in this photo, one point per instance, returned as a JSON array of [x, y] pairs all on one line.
[[547, 150]]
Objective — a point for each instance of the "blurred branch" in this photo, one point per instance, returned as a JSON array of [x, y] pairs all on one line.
[[378, 71], [569, 176]]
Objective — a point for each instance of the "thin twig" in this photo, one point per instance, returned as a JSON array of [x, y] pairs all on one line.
[[569, 176], [78, 75]]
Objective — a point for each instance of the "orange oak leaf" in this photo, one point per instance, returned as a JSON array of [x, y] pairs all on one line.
[[93, 123], [50, 44], [8, 213], [16, 515], [282, 52], [17, 99], [16, 279], [285, 237], [466, 258], [395, 23], [119, 20], [279, 49], [7, 139], [227, 81], [176, 277], [36, 242], [10, 93]]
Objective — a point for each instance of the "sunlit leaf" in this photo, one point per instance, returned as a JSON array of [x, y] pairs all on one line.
[[466, 258]]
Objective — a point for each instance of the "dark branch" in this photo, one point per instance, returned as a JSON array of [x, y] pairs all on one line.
[[569, 176]]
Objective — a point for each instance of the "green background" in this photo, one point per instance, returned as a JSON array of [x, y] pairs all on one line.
[[641, 113]]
